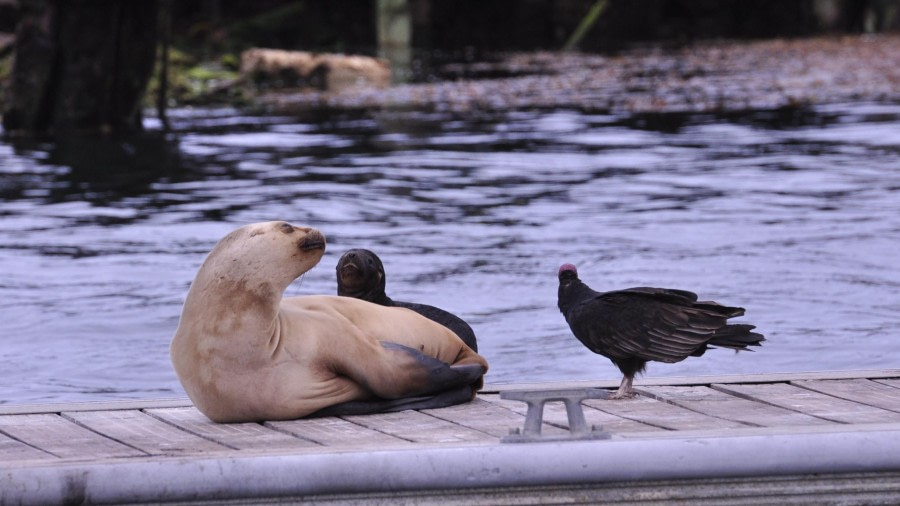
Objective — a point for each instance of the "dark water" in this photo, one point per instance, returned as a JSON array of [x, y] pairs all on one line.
[[794, 215]]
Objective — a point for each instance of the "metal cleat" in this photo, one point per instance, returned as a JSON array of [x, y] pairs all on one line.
[[578, 428]]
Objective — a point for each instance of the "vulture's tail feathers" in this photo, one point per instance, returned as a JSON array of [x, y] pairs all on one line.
[[737, 337]]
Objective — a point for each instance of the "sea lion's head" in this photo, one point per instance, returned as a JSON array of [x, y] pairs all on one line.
[[271, 254], [360, 274]]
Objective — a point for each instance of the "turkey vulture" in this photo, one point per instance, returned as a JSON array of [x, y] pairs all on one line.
[[634, 326], [360, 274]]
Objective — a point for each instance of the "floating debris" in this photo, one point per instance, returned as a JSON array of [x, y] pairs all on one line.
[[709, 76]]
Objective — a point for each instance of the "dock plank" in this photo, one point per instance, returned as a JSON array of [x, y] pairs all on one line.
[[420, 428], [650, 411], [556, 419], [240, 436], [13, 450], [63, 438], [482, 415], [796, 405], [812, 403], [336, 432], [722, 405], [891, 382], [113, 405], [768, 377], [860, 390], [144, 432]]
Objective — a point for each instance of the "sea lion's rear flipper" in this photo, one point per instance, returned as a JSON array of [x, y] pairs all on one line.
[[452, 397], [437, 376], [437, 385]]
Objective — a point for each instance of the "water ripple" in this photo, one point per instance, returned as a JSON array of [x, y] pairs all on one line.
[[796, 220]]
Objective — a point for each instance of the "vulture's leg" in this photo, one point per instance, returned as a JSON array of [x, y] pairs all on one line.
[[624, 391]]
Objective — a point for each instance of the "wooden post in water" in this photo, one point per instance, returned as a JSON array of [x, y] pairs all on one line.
[[81, 66], [395, 36]]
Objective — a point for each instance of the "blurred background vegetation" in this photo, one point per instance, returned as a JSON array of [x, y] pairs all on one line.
[[63, 41]]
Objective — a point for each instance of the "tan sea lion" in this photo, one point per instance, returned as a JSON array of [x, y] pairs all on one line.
[[245, 353]]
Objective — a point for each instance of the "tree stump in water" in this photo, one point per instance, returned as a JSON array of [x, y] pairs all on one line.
[[81, 65]]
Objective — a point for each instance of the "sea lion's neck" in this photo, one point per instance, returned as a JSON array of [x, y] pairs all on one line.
[[235, 300], [234, 308], [375, 295]]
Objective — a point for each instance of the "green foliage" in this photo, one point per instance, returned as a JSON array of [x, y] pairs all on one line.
[[5, 74], [230, 61], [588, 22], [192, 81]]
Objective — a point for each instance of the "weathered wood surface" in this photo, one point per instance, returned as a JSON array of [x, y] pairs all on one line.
[[419, 427], [62, 438], [143, 432], [236, 436], [891, 382], [719, 404], [337, 432], [860, 390], [12, 450], [785, 404], [810, 402]]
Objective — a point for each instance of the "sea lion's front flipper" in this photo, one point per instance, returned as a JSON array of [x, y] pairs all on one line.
[[438, 376], [452, 397]]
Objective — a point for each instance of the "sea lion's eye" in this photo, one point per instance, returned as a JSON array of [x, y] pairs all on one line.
[[287, 228]]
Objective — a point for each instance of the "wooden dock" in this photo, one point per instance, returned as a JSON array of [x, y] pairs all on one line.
[[775, 438]]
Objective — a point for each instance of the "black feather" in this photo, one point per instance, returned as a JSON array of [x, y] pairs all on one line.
[[634, 326]]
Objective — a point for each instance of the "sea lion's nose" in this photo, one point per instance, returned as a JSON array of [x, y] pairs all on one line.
[[313, 240]]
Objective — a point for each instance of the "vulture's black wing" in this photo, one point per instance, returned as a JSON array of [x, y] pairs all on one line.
[[647, 323]]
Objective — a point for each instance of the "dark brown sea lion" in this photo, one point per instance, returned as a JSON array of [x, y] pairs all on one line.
[[360, 274]]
